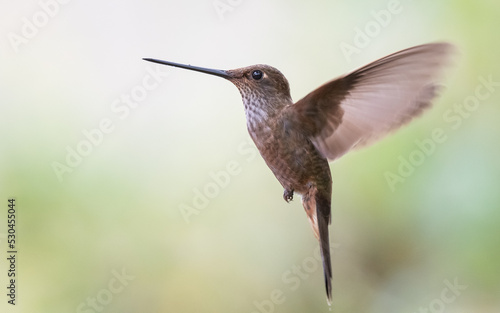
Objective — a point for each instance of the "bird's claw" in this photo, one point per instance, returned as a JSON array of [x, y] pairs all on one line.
[[288, 195]]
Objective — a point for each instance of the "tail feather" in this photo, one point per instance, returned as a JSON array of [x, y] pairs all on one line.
[[324, 242], [317, 207]]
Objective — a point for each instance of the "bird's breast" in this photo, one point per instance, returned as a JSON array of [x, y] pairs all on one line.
[[290, 155]]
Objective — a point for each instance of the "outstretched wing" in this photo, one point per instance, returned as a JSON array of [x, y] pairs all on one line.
[[360, 107]]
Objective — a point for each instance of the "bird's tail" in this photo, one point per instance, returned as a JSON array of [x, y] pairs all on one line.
[[318, 210]]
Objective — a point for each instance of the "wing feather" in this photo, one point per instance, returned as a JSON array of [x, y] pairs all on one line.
[[360, 107]]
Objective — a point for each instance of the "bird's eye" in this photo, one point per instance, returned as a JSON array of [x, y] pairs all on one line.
[[257, 74]]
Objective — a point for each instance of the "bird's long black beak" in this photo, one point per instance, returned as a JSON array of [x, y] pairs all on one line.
[[210, 71]]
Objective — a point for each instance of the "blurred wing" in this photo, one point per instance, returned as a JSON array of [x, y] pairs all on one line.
[[356, 109]]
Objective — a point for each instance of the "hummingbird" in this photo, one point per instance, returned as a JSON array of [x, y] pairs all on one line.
[[298, 139]]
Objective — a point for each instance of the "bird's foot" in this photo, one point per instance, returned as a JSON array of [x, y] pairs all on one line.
[[288, 195]]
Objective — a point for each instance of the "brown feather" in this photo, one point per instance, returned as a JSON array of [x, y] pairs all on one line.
[[358, 108]]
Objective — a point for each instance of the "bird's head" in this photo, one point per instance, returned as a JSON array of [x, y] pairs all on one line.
[[259, 85]]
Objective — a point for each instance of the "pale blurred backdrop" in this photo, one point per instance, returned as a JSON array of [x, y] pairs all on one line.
[[138, 189]]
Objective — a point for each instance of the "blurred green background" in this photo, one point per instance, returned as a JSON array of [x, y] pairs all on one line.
[[105, 232]]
